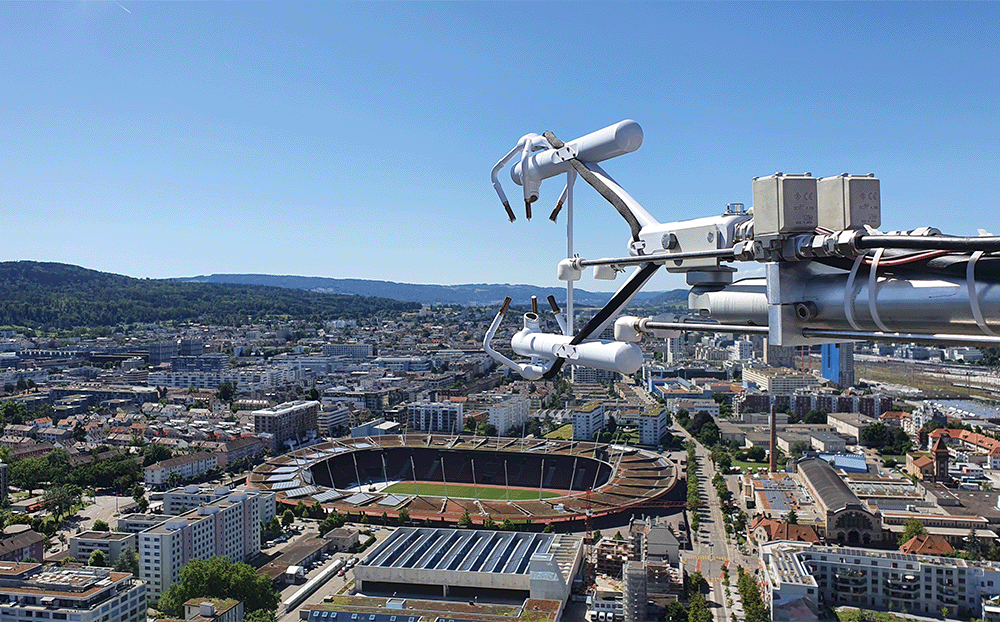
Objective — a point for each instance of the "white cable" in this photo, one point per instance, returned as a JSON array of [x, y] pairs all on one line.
[[970, 282], [872, 284], [849, 293]]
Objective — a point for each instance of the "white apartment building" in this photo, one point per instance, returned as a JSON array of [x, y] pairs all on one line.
[[331, 416], [741, 350], [507, 412], [778, 380], [588, 420], [229, 526], [178, 500], [33, 592], [348, 350], [652, 426], [435, 417], [245, 378], [186, 467], [801, 578]]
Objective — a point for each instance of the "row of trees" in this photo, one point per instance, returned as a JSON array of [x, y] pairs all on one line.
[[753, 604], [220, 578]]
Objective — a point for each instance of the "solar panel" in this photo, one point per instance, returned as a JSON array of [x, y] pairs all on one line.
[[358, 499], [283, 477], [295, 483], [327, 495], [286, 469], [301, 492], [391, 500]]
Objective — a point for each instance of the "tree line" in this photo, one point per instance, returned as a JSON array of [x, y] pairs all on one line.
[[48, 296]]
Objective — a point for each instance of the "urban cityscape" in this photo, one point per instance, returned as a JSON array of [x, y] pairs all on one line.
[[377, 312]]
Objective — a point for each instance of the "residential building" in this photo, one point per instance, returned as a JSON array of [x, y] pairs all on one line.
[[837, 363], [331, 417], [136, 523], [111, 543], [652, 425], [186, 467], [507, 412], [20, 542], [33, 592], [288, 423], [229, 526], [435, 417], [777, 380], [179, 500], [799, 580], [348, 350], [587, 421]]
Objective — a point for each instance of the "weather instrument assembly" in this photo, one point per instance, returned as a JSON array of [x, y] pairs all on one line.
[[830, 275]]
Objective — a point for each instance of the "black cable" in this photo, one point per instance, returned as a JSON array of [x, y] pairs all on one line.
[[930, 242], [599, 185]]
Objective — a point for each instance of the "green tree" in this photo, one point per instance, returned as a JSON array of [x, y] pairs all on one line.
[[97, 559], [404, 515], [128, 561], [697, 583], [698, 610], [675, 612], [911, 528], [60, 499], [100, 525], [219, 578], [79, 432], [154, 452], [261, 615], [226, 392], [465, 520], [287, 518], [792, 518], [28, 473]]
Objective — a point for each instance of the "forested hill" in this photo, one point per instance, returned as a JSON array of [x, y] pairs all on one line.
[[473, 294], [61, 296]]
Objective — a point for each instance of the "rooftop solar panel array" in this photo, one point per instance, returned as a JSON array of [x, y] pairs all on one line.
[[460, 550], [327, 495], [289, 485], [301, 492]]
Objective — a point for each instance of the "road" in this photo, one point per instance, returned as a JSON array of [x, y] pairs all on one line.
[[712, 548]]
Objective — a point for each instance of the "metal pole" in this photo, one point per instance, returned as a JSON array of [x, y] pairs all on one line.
[[444, 479], [356, 473], [413, 470], [506, 485], [474, 485], [541, 480], [570, 178]]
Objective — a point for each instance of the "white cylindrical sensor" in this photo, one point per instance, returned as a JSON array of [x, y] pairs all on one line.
[[617, 356], [615, 140]]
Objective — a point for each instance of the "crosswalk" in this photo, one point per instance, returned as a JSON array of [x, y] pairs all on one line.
[[707, 558]]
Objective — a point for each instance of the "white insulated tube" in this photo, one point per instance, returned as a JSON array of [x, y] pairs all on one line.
[[615, 140]]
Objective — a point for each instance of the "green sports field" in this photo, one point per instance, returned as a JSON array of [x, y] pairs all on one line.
[[467, 491]]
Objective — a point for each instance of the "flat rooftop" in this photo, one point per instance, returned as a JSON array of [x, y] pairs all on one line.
[[460, 550], [110, 536]]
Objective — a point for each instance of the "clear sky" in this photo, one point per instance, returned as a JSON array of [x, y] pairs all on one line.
[[161, 139]]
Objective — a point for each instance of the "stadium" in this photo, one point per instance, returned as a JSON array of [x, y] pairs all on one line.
[[440, 478]]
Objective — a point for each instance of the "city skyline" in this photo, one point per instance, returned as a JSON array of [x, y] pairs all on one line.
[[355, 140]]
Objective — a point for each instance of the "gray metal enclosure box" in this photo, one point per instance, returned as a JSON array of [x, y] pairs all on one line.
[[784, 204], [849, 202]]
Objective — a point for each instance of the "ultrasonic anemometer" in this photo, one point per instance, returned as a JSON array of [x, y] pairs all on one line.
[[830, 274]]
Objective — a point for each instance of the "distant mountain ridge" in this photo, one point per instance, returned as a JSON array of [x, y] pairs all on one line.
[[62, 296], [473, 294]]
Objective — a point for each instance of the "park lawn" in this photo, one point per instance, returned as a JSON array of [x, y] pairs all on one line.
[[752, 465], [467, 491], [562, 433]]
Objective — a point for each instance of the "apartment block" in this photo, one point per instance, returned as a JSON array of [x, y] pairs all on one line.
[[33, 591], [186, 467], [287, 423], [652, 426], [778, 380], [801, 579], [588, 420], [435, 417], [111, 543], [229, 526], [507, 412], [179, 500]]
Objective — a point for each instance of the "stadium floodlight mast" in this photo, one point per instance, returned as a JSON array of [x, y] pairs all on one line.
[[830, 275]]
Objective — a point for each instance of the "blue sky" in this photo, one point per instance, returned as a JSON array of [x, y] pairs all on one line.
[[160, 139]]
